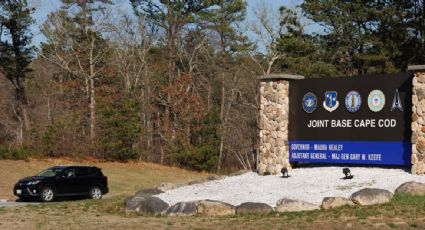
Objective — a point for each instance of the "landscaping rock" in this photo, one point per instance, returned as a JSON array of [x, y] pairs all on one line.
[[148, 192], [199, 181], [183, 209], [215, 208], [288, 205], [169, 186], [253, 208], [147, 205], [370, 196], [411, 188], [335, 202], [132, 203], [215, 177]]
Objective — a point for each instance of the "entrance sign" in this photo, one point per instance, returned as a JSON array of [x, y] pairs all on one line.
[[360, 120]]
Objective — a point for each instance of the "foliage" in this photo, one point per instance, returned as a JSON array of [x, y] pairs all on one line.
[[203, 153], [15, 43], [50, 138], [120, 130], [368, 36], [15, 153]]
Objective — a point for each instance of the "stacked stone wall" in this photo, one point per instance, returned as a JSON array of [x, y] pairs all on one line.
[[274, 109], [418, 124]]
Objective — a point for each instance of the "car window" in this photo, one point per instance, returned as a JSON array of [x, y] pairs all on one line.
[[69, 173], [81, 171], [50, 172]]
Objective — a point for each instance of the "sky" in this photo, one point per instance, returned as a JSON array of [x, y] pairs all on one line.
[[44, 7]]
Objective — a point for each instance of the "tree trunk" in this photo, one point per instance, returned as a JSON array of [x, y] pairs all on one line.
[[160, 140], [92, 93], [25, 117], [21, 96], [49, 114], [92, 107], [222, 125], [170, 68]]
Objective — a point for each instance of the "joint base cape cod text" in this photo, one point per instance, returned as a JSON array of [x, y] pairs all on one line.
[[350, 123]]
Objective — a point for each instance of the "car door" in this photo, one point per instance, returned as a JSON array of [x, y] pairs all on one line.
[[66, 183], [84, 180]]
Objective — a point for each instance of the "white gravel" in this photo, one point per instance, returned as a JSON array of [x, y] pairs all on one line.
[[306, 184]]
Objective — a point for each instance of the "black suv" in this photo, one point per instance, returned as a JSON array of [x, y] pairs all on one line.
[[63, 181]]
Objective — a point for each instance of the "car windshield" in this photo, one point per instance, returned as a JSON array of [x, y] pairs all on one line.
[[50, 172]]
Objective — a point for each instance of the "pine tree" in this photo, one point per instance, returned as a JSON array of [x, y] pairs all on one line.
[[298, 48], [362, 37], [16, 53], [224, 21]]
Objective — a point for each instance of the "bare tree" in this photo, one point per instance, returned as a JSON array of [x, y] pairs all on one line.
[[76, 46], [267, 29]]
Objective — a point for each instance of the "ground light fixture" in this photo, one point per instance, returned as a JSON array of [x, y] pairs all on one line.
[[347, 174], [284, 172]]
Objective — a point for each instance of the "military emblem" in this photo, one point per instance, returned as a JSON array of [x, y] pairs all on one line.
[[397, 102], [331, 103], [309, 102], [353, 101], [376, 100]]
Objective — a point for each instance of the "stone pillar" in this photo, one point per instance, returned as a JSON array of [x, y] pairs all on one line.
[[274, 111], [418, 120]]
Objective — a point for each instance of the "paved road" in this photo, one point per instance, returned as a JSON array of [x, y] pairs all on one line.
[[13, 204]]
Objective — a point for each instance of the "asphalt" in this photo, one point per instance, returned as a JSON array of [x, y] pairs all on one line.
[[14, 204]]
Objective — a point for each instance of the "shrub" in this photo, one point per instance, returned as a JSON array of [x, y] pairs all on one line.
[[15, 153], [202, 158]]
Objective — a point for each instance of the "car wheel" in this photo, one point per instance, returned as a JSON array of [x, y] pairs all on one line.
[[47, 194], [96, 193]]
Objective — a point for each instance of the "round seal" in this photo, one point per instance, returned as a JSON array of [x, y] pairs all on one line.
[[353, 101], [309, 102], [376, 100]]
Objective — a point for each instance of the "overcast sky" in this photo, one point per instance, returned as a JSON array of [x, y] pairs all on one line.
[[44, 7]]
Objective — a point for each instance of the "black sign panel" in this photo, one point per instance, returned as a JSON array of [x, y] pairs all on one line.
[[363, 119]]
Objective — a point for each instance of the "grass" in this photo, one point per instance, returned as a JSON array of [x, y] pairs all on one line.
[[123, 178], [403, 212]]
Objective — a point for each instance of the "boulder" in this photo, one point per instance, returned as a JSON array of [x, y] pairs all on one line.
[[289, 205], [169, 186], [215, 177], [335, 202], [132, 203], [370, 196], [411, 188], [147, 205], [148, 192], [182, 209], [215, 208], [198, 181], [253, 208]]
